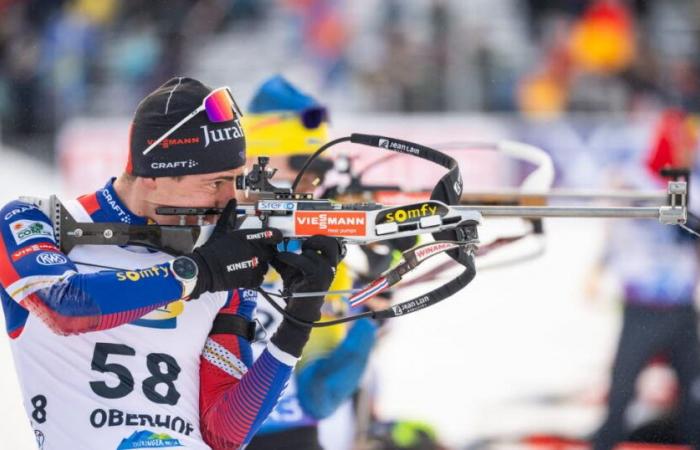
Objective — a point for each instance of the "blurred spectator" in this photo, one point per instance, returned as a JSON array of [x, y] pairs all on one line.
[[70, 44], [658, 269], [579, 70], [324, 34], [603, 39], [545, 93], [60, 56], [610, 56]]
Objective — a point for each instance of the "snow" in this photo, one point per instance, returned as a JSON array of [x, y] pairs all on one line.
[[509, 354]]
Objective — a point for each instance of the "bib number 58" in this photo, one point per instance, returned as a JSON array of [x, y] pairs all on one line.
[[163, 368]]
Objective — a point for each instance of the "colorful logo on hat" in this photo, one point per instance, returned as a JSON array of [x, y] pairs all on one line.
[[148, 439]]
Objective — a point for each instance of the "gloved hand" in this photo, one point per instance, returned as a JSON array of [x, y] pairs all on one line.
[[312, 270], [231, 258]]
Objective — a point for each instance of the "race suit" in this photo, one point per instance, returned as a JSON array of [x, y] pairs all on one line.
[[108, 354]]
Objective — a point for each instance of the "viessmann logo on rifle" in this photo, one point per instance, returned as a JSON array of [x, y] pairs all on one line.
[[411, 212], [336, 223]]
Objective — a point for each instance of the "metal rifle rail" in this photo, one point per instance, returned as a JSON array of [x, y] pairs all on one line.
[[632, 212], [672, 213], [660, 196]]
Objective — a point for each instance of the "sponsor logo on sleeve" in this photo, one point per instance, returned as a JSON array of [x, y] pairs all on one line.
[[410, 213], [41, 246], [19, 210], [25, 230], [51, 259], [136, 275], [336, 223]]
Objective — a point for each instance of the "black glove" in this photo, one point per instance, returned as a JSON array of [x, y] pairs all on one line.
[[232, 258], [313, 270]]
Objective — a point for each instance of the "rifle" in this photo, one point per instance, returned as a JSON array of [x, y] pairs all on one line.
[[299, 215]]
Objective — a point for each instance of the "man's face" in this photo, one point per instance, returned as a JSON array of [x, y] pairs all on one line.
[[206, 190]]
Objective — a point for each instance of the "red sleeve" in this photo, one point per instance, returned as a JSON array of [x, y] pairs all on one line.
[[237, 395]]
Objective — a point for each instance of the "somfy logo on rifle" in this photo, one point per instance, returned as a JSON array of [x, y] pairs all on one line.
[[411, 212]]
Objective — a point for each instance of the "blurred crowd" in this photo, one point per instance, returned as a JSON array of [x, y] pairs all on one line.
[[67, 58], [61, 59]]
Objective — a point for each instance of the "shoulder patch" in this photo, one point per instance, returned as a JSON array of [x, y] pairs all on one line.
[[26, 230]]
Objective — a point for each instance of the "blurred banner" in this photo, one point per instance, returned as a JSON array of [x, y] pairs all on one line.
[[583, 148], [89, 151]]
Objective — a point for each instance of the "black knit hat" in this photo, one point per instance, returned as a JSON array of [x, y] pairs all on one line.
[[199, 146]]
